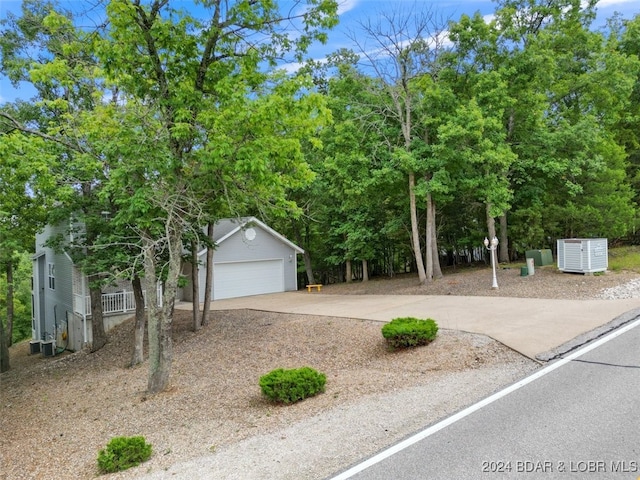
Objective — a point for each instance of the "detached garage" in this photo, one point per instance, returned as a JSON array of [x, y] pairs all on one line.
[[250, 259]]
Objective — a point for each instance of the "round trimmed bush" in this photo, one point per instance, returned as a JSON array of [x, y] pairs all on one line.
[[409, 332], [289, 386], [123, 453]]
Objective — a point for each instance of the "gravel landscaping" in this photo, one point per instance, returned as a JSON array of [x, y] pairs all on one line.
[[57, 413]]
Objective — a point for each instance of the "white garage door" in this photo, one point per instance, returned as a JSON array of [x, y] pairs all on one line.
[[240, 279]]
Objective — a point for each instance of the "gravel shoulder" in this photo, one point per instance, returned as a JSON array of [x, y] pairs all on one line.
[[56, 413]]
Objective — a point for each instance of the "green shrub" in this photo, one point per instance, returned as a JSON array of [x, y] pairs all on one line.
[[289, 386], [122, 453], [409, 332]]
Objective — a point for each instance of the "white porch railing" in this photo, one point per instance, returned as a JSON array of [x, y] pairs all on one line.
[[118, 302], [112, 303]]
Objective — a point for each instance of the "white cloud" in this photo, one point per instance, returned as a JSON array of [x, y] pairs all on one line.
[[489, 18], [291, 68], [611, 3], [346, 5]]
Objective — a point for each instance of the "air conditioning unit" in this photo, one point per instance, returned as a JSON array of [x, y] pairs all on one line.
[[34, 346], [48, 348], [583, 255]]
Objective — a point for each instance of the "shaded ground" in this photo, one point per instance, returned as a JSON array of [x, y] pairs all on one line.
[[547, 282]]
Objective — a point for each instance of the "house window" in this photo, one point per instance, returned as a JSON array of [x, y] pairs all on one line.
[[52, 276]]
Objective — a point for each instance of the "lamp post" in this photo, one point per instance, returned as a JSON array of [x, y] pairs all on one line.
[[492, 246]]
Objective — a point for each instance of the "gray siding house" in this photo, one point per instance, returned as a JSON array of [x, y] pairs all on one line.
[[250, 258], [60, 302], [51, 295]]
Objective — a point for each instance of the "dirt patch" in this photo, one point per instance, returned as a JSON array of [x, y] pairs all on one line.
[[547, 282]]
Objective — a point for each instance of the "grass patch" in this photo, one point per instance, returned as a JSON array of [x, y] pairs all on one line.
[[625, 258]]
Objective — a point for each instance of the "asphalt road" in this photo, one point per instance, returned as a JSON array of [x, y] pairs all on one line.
[[577, 418]]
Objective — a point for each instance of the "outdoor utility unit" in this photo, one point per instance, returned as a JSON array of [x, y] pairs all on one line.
[[540, 257], [583, 255], [34, 346], [48, 348]]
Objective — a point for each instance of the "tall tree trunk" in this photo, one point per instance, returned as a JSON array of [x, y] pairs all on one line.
[[415, 234], [9, 332], [156, 379], [491, 222], [504, 240], [160, 319], [504, 234], [306, 256], [429, 240], [437, 271], [208, 284], [99, 337], [308, 267], [365, 271], [4, 350], [390, 261], [195, 287], [349, 274], [137, 354]]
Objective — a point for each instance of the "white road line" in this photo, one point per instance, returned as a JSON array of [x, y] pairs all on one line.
[[477, 406]]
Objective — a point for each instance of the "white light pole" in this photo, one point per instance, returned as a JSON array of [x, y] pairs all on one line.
[[492, 248]]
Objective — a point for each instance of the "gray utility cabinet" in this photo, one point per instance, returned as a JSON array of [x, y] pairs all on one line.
[[583, 255]]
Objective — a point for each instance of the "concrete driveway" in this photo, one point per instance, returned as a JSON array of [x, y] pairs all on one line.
[[538, 328]]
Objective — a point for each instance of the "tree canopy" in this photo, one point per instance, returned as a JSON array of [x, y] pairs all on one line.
[[401, 151]]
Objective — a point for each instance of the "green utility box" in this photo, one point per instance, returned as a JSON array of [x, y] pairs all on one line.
[[540, 257]]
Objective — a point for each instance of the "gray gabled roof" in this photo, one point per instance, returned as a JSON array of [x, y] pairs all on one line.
[[227, 227]]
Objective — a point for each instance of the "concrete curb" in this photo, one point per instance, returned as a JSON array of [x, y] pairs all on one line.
[[589, 336]]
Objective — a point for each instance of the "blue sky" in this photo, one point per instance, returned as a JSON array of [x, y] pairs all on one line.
[[351, 13]]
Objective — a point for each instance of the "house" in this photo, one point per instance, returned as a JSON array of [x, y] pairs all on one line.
[[250, 258], [52, 300], [60, 302]]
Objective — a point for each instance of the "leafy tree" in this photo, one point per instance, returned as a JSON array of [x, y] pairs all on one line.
[[16, 306], [480, 78], [626, 35], [203, 108], [588, 92], [25, 183], [67, 80], [552, 69], [191, 99], [23, 180], [400, 49], [21, 297], [353, 174]]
